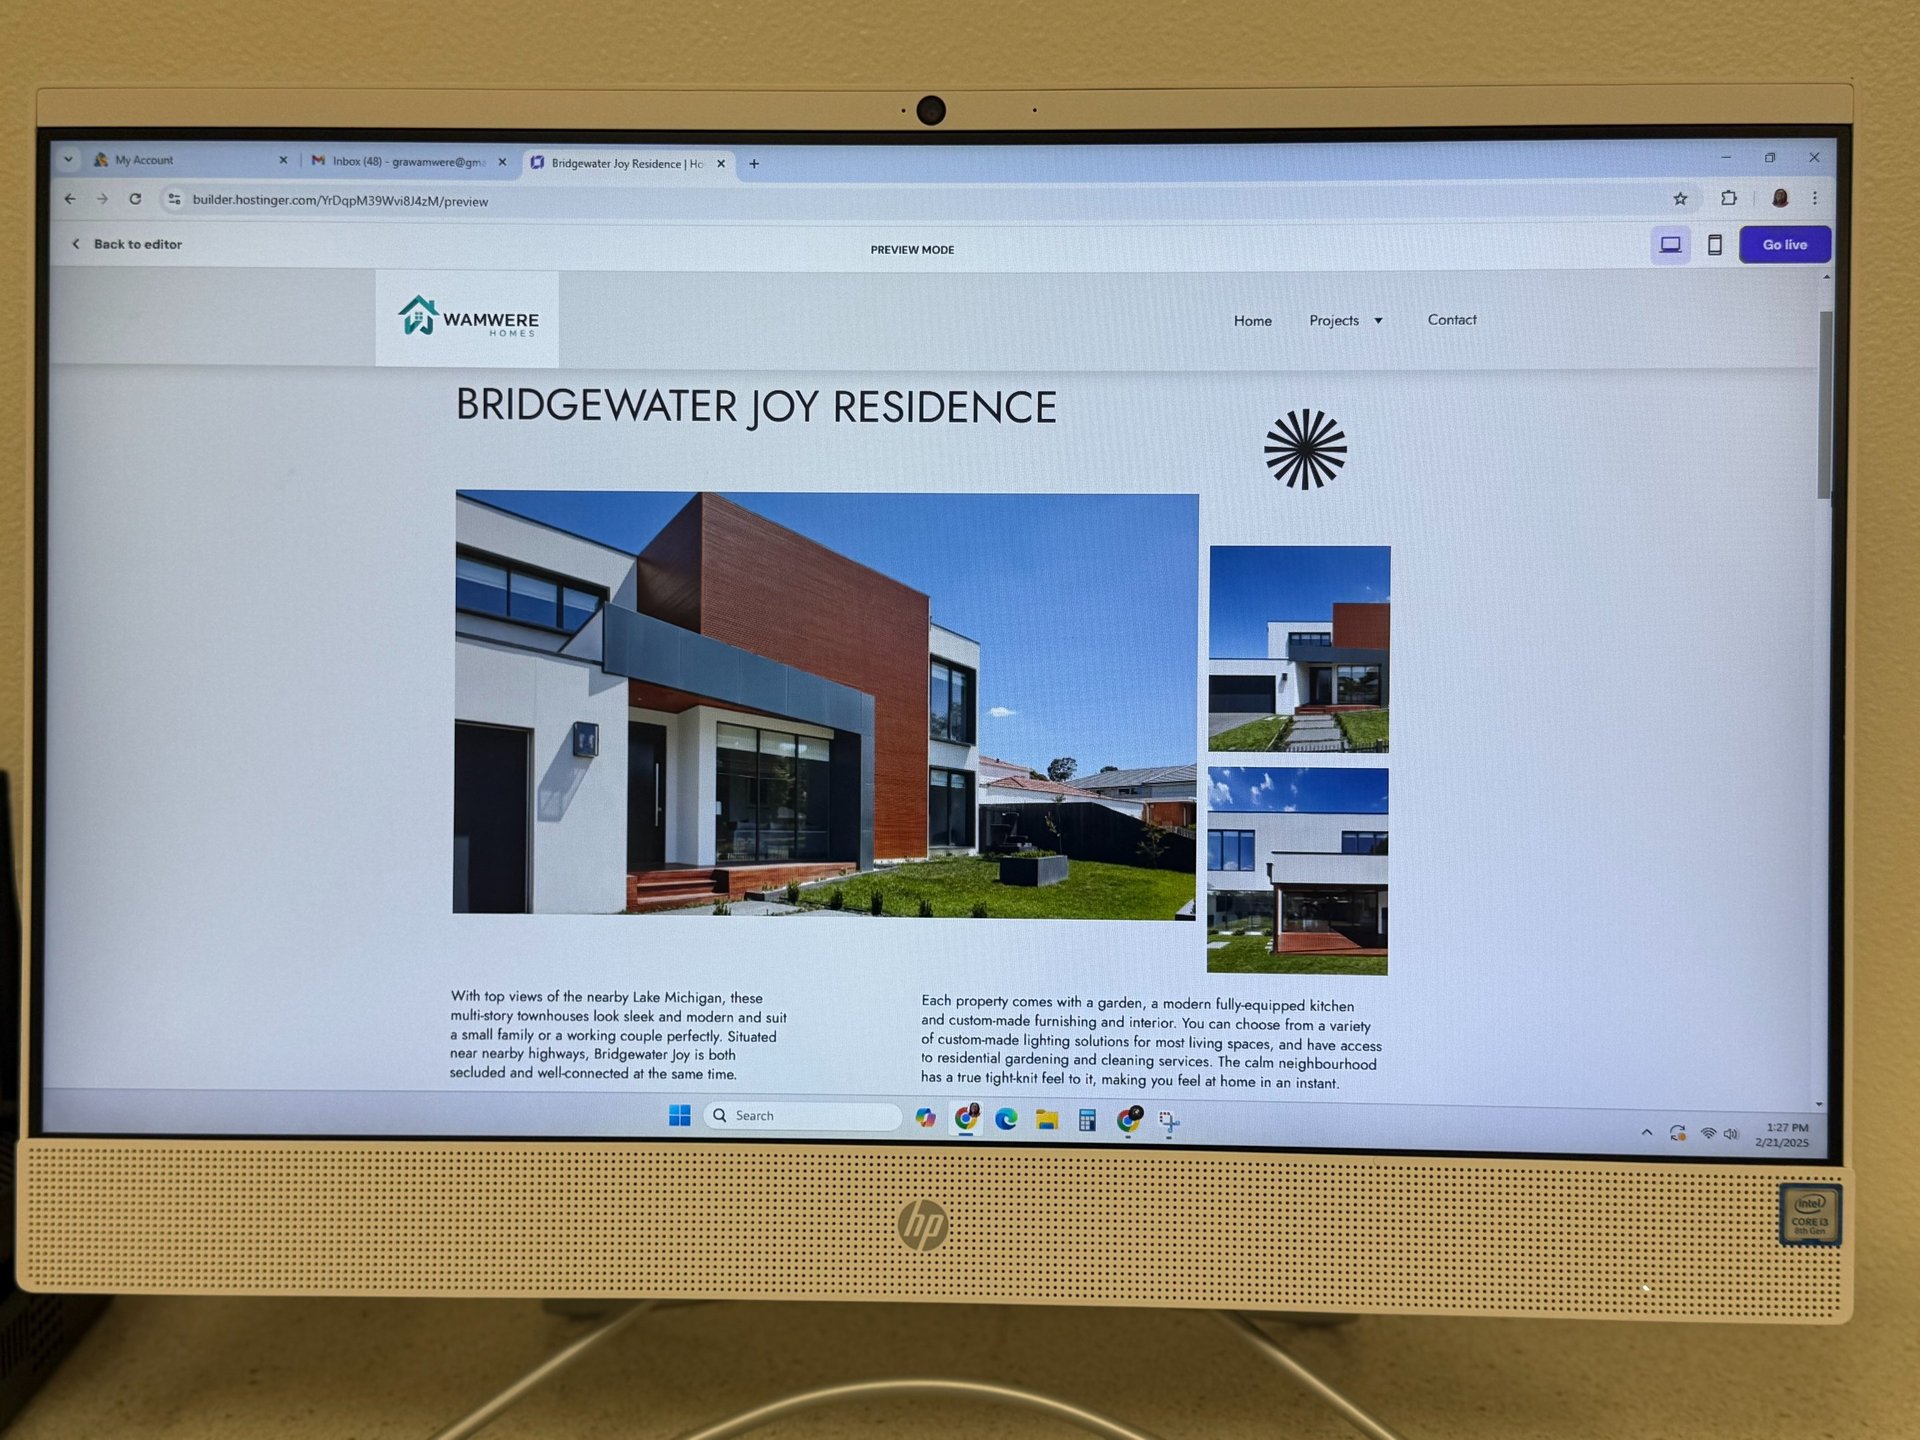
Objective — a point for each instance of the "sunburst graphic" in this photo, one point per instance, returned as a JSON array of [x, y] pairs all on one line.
[[1306, 448]]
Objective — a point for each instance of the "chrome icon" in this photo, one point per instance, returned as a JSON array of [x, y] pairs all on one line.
[[967, 1116], [1131, 1117]]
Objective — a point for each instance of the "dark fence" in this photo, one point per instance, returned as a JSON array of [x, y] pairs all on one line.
[[1087, 831]]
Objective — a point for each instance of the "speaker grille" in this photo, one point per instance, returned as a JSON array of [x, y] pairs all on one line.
[[1079, 1226]]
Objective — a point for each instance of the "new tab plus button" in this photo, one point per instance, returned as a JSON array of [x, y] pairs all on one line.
[[1786, 244]]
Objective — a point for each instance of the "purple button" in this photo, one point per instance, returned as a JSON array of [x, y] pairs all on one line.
[[1786, 244]]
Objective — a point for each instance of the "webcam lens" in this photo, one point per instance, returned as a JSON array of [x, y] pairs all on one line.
[[931, 110]]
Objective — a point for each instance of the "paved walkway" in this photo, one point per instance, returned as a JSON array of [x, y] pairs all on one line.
[[1315, 732]]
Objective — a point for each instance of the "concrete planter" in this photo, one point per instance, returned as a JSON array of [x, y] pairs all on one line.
[[1033, 870]]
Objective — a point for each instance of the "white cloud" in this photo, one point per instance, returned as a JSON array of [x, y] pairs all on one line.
[[1000, 712], [1265, 787], [1219, 792], [1289, 809]]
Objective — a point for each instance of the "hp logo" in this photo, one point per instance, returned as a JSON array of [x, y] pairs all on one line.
[[922, 1225]]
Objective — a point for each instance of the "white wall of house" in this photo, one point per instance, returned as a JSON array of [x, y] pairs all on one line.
[[579, 806], [531, 543], [1278, 630], [1300, 848]]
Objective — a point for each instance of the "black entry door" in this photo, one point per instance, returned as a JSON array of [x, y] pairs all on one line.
[[490, 819], [1320, 685], [646, 795]]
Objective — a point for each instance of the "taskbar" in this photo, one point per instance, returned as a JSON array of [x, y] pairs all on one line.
[[1700, 1132]]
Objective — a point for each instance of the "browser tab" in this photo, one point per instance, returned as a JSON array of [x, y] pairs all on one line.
[[611, 163]]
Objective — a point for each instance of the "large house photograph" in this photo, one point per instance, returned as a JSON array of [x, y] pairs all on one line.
[[1296, 862], [777, 703], [1300, 645]]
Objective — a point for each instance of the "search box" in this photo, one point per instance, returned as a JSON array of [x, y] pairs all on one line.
[[822, 1115]]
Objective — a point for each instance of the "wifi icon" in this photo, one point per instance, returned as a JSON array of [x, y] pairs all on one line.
[[1707, 1132]]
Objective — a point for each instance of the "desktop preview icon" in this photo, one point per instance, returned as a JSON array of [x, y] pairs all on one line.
[[966, 1117], [1131, 1117], [1006, 1117], [1046, 1119], [925, 1117]]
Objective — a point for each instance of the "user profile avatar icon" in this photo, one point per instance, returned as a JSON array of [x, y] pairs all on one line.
[[1779, 199]]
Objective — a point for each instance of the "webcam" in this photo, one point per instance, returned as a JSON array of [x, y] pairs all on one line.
[[931, 109]]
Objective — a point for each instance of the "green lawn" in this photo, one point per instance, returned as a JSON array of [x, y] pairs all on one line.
[[1267, 733], [1363, 727], [955, 885], [1252, 954]]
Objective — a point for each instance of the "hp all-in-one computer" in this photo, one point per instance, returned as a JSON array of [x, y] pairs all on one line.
[[792, 696]]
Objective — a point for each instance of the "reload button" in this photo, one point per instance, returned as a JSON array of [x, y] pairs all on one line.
[[1786, 244]]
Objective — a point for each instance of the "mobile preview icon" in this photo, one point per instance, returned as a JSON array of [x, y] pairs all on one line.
[[1006, 1117], [1131, 1117]]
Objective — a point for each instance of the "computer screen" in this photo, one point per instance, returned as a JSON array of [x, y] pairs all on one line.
[[767, 639]]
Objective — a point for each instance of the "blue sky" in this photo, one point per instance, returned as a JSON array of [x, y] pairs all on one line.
[[1318, 791], [1086, 607], [1252, 584]]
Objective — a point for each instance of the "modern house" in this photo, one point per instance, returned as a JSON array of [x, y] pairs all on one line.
[[734, 706], [1321, 878], [1166, 793], [1310, 667]]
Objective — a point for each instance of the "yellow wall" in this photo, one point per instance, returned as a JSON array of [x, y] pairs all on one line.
[[806, 43]]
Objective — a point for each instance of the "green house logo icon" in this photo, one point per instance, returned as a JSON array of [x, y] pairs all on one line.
[[419, 314]]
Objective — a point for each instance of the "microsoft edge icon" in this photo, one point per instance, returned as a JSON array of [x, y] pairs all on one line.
[[1006, 1117]]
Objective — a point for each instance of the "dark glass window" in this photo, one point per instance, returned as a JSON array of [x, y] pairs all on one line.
[[1308, 637], [1363, 842], [950, 702], [1229, 849], [576, 608], [771, 794], [483, 585], [533, 600], [479, 586], [949, 808], [1358, 684]]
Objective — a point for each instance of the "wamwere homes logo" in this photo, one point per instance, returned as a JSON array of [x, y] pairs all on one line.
[[1306, 448], [419, 316]]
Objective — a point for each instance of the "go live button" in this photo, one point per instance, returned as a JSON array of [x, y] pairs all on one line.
[[1786, 244]]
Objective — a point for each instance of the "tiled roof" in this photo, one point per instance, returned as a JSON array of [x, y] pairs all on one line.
[[1050, 787], [1151, 775]]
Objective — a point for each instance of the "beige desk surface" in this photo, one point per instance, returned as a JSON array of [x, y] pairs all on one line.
[[371, 1369]]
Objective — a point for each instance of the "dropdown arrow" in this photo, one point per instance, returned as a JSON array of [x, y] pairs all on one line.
[[1378, 318]]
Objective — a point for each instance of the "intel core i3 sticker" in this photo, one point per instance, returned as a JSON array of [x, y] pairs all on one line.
[[1809, 1214]]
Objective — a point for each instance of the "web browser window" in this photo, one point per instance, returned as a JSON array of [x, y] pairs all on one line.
[[741, 639]]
